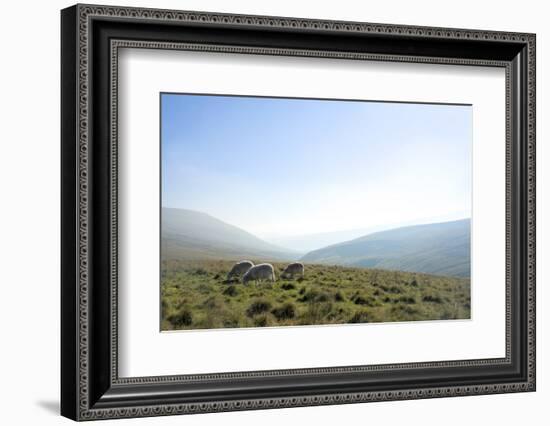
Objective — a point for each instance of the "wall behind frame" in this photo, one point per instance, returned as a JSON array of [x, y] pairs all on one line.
[[29, 217]]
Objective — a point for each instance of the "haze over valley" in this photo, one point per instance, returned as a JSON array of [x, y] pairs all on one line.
[[438, 248]]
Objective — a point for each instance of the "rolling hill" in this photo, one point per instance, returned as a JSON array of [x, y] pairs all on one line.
[[438, 248], [193, 234]]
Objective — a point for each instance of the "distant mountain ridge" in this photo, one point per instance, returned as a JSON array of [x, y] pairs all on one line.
[[188, 233], [438, 248]]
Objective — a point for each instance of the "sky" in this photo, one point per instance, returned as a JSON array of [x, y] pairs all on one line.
[[279, 167]]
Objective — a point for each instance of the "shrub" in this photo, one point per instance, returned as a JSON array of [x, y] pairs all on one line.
[[414, 283], [263, 320], [314, 296], [258, 307], [393, 289], [360, 317], [407, 299], [405, 310], [230, 322], [448, 314], [369, 301], [338, 296], [286, 311], [231, 291], [182, 318], [288, 286], [432, 298], [201, 271]]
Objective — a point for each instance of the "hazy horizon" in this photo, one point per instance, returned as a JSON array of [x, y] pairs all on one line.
[[303, 243], [283, 168]]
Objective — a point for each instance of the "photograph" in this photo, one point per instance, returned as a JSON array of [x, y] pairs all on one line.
[[299, 212]]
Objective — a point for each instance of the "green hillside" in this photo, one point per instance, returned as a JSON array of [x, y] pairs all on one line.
[[439, 248], [195, 295]]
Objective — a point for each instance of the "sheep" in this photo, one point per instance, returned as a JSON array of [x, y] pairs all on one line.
[[293, 269], [239, 269], [263, 271]]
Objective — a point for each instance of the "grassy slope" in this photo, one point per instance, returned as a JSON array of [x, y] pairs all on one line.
[[195, 295], [436, 248]]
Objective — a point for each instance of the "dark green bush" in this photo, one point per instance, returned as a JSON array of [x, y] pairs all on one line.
[[314, 296], [263, 320], [182, 318], [392, 289], [360, 317], [406, 310], [432, 298], [231, 291], [288, 286], [286, 311], [338, 296], [368, 301], [407, 299], [258, 307]]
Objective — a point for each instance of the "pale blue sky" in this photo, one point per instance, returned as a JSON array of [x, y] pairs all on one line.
[[280, 167]]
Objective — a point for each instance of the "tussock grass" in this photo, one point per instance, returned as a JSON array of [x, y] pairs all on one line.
[[258, 307], [284, 312]]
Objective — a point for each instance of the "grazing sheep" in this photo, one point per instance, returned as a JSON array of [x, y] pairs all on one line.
[[293, 269], [263, 271], [239, 269]]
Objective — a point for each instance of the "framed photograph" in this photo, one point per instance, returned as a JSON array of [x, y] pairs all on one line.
[[263, 212]]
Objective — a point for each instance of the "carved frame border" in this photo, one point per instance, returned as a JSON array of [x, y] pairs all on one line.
[[87, 12]]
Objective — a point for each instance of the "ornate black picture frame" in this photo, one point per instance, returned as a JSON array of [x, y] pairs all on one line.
[[91, 37]]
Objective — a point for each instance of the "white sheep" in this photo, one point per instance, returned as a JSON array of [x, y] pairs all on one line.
[[293, 269], [263, 271], [239, 269]]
